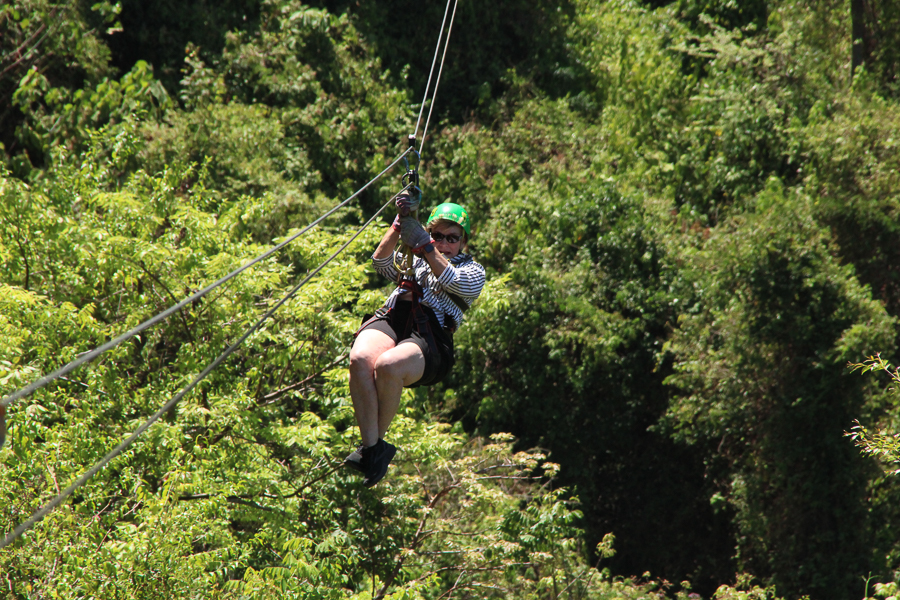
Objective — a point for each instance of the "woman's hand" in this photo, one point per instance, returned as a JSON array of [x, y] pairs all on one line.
[[413, 234], [407, 204]]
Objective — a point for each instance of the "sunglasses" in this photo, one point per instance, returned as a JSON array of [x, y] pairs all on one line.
[[440, 237]]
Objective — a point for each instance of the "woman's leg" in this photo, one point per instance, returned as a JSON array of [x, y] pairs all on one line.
[[398, 367], [369, 345]]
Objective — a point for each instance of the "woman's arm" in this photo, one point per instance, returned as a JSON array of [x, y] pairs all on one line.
[[437, 261], [388, 242], [383, 257]]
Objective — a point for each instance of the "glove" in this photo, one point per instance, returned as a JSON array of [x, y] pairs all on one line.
[[396, 224], [407, 203], [413, 234]]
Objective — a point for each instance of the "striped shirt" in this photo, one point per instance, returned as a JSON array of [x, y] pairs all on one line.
[[463, 277]]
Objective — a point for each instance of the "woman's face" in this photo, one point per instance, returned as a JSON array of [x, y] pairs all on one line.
[[443, 229]]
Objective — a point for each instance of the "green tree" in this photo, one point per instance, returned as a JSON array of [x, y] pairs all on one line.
[[159, 33], [851, 160], [873, 27], [880, 444], [486, 44], [58, 42], [298, 111], [759, 365]]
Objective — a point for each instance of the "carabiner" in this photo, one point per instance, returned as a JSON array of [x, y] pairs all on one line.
[[411, 177]]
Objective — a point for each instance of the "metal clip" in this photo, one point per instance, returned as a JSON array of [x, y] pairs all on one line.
[[411, 177]]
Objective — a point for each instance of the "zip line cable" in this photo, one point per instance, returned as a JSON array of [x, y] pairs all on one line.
[[168, 312], [441, 70], [431, 72], [40, 514]]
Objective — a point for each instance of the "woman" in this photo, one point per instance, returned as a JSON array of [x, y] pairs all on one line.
[[409, 341]]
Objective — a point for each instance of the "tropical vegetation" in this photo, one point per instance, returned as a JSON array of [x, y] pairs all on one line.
[[673, 385]]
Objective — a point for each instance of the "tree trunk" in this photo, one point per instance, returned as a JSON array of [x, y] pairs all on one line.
[[861, 25]]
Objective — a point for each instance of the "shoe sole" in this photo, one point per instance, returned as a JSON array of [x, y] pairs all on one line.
[[356, 466], [389, 455], [354, 461]]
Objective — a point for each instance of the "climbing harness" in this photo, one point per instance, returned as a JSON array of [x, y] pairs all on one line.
[[406, 274], [418, 320]]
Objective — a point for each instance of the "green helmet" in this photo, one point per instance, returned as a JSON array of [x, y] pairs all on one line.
[[451, 212]]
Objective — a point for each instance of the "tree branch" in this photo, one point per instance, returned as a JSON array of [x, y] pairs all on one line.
[[268, 397], [172, 298], [17, 53], [242, 499]]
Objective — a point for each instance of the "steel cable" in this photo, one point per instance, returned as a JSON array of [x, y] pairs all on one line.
[[440, 70], [431, 72]]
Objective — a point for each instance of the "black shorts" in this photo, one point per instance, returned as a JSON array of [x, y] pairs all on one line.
[[438, 359]]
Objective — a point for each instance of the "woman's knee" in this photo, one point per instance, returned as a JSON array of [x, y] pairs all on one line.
[[385, 366], [403, 363], [362, 360], [367, 347]]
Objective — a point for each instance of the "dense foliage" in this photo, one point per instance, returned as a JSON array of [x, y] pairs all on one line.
[[689, 214]]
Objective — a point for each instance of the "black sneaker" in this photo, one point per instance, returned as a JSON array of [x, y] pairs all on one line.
[[354, 460], [376, 460]]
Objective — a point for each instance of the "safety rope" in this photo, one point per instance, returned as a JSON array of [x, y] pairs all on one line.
[[40, 514], [84, 358]]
